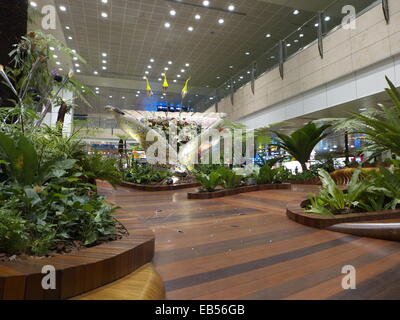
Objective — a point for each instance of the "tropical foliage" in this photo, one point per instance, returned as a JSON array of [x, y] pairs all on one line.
[[146, 174], [302, 142], [376, 191]]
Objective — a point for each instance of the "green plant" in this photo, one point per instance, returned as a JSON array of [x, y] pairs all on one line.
[[146, 174], [333, 200], [308, 175], [301, 143], [268, 175], [96, 166], [209, 182], [230, 179], [379, 126], [13, 234], [21, 162]]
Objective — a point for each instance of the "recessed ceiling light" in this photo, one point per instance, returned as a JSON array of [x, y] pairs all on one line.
[[137, 96], [301, 35], [63, 8], [52, 48], [296, 12], [221, 21], [178, 75], [74, 51], [104, 14], [75, 58], [172, 12], [149, 67], [167, 25], [104, 1], [67, 27], [61, 69], [183, 70], [58, 63], [69, 38], [146, 72], [230, 67], [206, 3], [247, 53], [33, 4], [104, 68], [187, 64], [97, 88], [77, 65], [151, 60], [327, 18], [166, 68], [104, 54], [104, 61], [110, 97], [197, 17], [138, 92], [190, 29], [169, 62], [123, 98], [175, 81], [77, 70], [316, 25], [55, 56], [296, 40], [159, 79], [288, 45], [268, 35], [231, 7], [218, 77]]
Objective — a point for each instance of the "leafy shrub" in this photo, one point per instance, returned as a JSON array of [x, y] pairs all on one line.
[[209, 182], [96, 166], [146, 174], [52, 214], [308, 175], [370, 191], [268, 175], [13, 233], [52, 202], [230, 179]]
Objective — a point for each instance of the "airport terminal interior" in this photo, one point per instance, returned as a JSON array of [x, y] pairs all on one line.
[[200, 150]]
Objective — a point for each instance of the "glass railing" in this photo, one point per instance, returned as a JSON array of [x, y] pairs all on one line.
[[294, 43]]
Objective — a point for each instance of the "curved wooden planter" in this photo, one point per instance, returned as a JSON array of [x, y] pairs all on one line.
[[296, 213], [226, 193], [148, 187], [80, 271]]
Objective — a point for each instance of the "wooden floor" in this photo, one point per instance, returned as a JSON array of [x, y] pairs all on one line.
[[244, 247]]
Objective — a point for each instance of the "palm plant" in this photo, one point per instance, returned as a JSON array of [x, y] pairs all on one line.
[[302, 142], [380, 126]]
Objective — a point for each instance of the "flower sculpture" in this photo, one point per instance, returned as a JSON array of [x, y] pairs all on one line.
[[181, 133]]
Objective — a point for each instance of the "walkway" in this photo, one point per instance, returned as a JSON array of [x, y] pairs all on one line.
[[244, 247]]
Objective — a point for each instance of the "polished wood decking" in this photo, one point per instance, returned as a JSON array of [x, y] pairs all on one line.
[[244, 247]]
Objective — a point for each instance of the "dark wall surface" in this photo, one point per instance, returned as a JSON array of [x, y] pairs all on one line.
[[13, 25]]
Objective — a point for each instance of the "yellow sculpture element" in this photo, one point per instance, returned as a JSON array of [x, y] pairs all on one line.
[[185, 89], [165, 83], [148, 88]]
